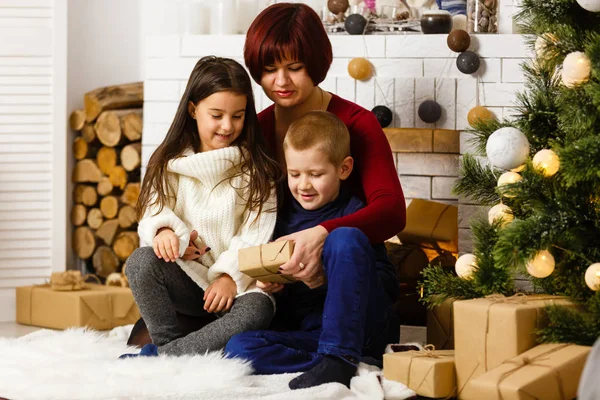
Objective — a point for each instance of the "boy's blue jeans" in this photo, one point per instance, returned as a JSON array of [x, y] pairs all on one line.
[[354, 315]]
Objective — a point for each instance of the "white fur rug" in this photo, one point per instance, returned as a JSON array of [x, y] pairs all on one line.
[[82, 364]]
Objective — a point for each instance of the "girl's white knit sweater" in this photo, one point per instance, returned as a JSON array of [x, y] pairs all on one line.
[[208, 202]]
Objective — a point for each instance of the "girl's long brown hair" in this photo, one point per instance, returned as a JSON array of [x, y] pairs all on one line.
[[209, 76]]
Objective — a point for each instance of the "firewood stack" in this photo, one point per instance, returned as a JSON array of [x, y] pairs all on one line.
[[106, 176]]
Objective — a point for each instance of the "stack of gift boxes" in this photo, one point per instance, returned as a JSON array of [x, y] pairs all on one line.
[[495, 356]]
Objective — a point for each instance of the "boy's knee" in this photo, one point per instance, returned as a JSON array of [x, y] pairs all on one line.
[[140, 260], [347, 237]]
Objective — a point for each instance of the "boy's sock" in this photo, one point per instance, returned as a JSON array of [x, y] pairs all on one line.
[[330, 369], [148, 350]]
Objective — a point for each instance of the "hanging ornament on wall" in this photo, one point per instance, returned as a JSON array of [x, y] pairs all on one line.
[[590, 5], [383, 114], [467, 62], [576, 69], [542, 265], [508, 178], [458, 40], [337, 6], [507, 148], [430, 111], [355, 24], [465, 265], [547, 161], [592, 276], [500, 212], [481, 114], [360, 69]]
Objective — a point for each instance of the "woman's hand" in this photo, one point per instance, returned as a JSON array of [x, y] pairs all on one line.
[[166, 244], [193, 252], [220, 294], [305, 263], [269, 287]]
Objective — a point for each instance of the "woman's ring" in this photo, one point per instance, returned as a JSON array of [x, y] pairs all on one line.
[[301, 265]]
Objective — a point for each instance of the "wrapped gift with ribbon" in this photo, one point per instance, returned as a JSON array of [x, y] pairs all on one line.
[[263, 262], [428, 372], [440, 326], [68, 301], [548, 371], [488, 331]]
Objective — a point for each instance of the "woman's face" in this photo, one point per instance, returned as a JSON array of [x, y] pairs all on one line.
[[287, 83]]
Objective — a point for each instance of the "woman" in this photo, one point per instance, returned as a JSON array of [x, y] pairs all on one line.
[[288, 53]]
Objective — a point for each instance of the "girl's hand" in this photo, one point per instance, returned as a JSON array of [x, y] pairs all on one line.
[[193, 252], [305, 264], [166, 244], [220, 294], [269, 287]]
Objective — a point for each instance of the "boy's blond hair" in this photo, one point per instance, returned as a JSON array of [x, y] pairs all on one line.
[[321, 130]]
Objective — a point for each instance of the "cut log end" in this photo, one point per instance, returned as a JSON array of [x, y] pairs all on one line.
[[78, 214], [105, 261], [107, 231], [131, 156], [108, 129], [125, 244], [105, 186], [106, 159], [131, 194], [94, 218], [84, 242], [77, 120], [112, 97], [80, 148], [86, 195], [118, 177], [109, 206], [127, 216], [86, 171]]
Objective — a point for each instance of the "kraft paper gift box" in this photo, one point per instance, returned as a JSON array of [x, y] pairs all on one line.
[[431, 222], [429, 373], [97, 306], [263, 262], [546, 372], [440, 326], [491, 330]]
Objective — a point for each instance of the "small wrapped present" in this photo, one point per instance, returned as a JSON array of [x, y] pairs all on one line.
[[548, 372], [263, 262], [491, 330], [440, 326], [429, 372], [95, 306]]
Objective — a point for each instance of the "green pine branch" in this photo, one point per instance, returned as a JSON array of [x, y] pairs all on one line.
[[580, 161], [476, 181]]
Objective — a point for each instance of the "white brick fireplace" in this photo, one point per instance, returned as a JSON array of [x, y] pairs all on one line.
[[409, 69]]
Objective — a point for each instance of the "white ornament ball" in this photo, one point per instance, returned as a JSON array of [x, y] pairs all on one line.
[[500, 212], [542, 265], [507, 148], [592, 276], [590, 5], [509, 178], [547, 161], [465, 265], [576, 69]]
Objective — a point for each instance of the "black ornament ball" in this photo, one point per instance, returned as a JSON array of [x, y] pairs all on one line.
[[355, 24], [467, 62], [383, 115], [430, 111]]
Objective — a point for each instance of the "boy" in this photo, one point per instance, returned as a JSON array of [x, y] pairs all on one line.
[[318, 339]]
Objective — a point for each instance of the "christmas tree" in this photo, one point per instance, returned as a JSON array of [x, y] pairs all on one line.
[[542, 180]]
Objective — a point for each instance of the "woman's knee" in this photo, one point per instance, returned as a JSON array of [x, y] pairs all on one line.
[[140, 261]]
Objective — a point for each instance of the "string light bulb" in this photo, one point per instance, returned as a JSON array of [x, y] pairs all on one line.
[[592, 276], [508, 178], [500, 212], [465, 265], [547, 161], [542, 264], [576, 69]]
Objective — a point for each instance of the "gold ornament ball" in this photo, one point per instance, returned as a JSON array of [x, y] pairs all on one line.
[[542, 265], [592, 276], [500, 212], [576, 69], [509, 178], [547, 161], [479, 113], [360, 69], [338, 6], [520, 168], [465, 265]]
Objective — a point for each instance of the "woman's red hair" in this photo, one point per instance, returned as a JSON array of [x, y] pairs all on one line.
[[288, 30]]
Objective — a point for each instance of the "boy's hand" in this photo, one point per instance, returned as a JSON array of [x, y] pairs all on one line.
[[269, 287], [220, 294], [305, 263], [166, 244]]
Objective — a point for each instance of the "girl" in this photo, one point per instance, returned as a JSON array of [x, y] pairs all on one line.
[[205, 185]]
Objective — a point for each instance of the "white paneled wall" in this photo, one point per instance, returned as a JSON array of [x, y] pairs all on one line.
[[32, 145], [408, 70]]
